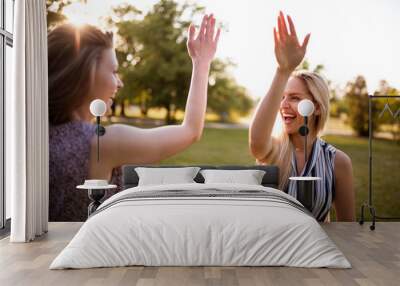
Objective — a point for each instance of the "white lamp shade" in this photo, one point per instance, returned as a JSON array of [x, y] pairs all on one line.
[[98, 107], [305, 107]]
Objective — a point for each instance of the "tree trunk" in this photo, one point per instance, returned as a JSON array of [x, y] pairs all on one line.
[[143, 111], [113, 105], [170, 116], [123, 109]]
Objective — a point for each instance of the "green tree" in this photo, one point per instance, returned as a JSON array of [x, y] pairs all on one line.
[[338, 105], [155, 66], [54, 10], [357, 101], [305, 65], [152, 52], [388, 120], [225, 95]]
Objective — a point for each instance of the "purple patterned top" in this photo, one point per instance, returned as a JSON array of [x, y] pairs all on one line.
[[69, 150]]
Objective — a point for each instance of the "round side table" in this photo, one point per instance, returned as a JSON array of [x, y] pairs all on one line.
[[95, 194]]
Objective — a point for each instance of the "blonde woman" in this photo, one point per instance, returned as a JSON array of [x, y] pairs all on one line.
[[288, 88]]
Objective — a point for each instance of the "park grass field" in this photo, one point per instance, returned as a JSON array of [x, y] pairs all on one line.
[[229, 146]]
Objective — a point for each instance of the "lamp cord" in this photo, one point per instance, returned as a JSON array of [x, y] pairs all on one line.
[[98, 145], [98, 137], [305, 140]]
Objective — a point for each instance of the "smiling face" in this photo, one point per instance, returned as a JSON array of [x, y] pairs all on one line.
[[295, 91], [106, 80]]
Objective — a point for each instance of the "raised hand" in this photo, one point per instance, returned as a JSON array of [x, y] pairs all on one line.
[[289, 53], [202, 48]]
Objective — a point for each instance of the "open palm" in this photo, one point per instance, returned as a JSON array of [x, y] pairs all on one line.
[[288, 51], [203, 47]]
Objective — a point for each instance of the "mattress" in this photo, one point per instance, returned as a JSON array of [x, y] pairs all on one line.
[[201, 225]]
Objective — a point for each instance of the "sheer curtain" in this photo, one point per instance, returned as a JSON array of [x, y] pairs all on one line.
[[27, 124]]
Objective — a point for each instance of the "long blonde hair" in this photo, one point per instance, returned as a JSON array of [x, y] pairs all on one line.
[[318, 87]]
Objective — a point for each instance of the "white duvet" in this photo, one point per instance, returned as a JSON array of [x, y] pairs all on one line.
[[183, 231]]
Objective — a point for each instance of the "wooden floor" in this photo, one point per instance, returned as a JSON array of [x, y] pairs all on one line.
[[374, 255]]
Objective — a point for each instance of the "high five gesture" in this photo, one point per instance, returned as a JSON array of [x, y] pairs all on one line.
[[202, 47], [288, 51]]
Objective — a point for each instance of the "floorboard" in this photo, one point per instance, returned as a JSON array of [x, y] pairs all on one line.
[[374, 255]]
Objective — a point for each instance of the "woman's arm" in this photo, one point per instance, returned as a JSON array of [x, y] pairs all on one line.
[[263, 121], [289, 54], [123, 144], [344, 202]]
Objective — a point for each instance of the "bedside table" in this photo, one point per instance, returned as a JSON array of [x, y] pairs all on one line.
[[96, 194]]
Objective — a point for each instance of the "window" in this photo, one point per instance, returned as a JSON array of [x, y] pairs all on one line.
[[9, 16], [6, 45]]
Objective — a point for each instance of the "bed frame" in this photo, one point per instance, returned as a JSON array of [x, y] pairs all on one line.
[[130, 178]]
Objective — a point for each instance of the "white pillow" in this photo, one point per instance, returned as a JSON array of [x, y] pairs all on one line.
[[163, 176], [249, 177]]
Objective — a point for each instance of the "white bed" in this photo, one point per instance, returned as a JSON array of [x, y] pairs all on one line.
[[201, 224]]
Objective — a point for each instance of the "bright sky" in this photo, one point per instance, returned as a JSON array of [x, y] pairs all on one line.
[[348, 37]]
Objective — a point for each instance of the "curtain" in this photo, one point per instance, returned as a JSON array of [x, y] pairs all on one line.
[[27, 157]]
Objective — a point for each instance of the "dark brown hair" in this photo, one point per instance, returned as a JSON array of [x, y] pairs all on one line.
[[73, 54]]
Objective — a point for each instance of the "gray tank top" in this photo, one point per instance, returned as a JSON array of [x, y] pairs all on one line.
[[69, 150]]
